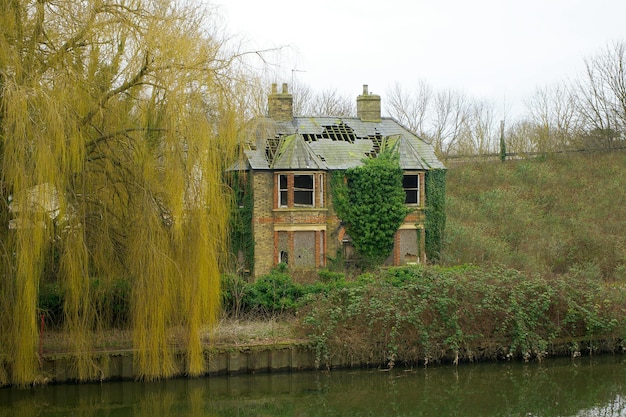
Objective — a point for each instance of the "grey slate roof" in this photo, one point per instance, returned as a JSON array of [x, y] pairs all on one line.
[[294, 153], [331, 143]]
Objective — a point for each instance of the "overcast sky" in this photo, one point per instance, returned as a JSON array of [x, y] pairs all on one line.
[[498, 50]]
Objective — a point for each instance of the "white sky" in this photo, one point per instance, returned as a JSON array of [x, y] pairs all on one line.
[[499, 50]]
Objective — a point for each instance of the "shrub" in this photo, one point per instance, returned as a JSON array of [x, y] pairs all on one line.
[[51, 303], [467, 312], [330, 277], [273, 293]]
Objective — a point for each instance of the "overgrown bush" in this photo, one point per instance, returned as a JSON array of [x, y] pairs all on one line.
[[273, 294], [369, 200], [422, 314]]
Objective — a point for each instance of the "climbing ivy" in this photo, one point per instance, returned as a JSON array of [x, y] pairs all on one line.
[[435, 212], [241, 239], [369, 199]]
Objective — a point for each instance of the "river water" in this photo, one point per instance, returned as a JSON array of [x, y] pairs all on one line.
[[587, 386]]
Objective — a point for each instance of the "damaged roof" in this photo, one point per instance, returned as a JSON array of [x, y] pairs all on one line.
[[333, 143]]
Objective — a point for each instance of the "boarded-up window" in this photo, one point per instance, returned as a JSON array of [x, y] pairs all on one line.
[[304, 249], [409, 247]]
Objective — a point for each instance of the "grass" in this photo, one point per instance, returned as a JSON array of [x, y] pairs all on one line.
[[545, 215], [228, 333]]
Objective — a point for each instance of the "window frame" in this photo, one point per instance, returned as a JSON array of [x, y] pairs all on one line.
[[414, 190], [283, 191], [299, 190], [296, 189]]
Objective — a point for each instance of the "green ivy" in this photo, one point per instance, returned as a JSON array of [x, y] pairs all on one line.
[[369, 199], [241, 238], [435, 221]]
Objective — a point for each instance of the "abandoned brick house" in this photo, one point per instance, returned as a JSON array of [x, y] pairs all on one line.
[[288, 162]]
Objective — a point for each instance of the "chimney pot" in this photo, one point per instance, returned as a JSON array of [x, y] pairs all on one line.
[[280, 105], [365, 90]]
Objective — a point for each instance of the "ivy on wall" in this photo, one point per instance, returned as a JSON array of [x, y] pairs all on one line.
[[369, 200], [435, 221], [241, 239]]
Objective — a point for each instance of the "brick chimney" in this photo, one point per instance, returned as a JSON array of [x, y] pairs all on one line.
[[368, 106], [280, 104]]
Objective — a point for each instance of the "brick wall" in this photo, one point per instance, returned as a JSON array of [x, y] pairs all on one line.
[[280, 105], [269, 221], [368, 106], [263, 230]]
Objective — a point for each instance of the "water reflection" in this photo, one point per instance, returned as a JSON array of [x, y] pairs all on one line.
[[584, 387]]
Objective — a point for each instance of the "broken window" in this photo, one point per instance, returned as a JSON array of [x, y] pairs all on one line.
[[410, 183], [283, 191], [299, 190], [283, 257], [303, 190]]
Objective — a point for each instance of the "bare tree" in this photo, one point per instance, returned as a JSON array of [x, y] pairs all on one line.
[[411, 109], [602, 95], [450, 116], [553, 112], [522, 137], [330, 103], [482, 128], [302, 98]]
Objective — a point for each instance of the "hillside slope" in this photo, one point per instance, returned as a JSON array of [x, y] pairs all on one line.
[[548, 214]]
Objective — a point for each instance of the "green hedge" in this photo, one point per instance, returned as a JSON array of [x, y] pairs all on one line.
[[424, 314]]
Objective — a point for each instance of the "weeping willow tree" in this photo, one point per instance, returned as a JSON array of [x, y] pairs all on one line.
[[117, 118]]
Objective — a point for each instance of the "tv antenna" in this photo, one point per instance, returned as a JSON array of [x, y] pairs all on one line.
[[293, 75]]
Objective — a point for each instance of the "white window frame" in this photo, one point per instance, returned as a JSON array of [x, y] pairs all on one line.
[[282, 190], [415, 190]]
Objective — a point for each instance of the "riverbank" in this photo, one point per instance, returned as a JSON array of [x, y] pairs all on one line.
[[413, 316], [266, 346], [228, 333], [232, 347]]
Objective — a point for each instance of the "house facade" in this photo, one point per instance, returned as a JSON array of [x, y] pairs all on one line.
[[289, 161]]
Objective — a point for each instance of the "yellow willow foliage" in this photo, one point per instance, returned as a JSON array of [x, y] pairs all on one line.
[[117, 121], [33, 198]]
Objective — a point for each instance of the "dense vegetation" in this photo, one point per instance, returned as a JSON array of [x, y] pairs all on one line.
[[369, 200], [545, 215], [116, 122], [543, 246], [428, 314], [521, 279]]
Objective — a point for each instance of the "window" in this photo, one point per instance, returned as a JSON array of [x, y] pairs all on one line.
[[303, 190], [299, 190], [410, 183], [283, 257], [282, 189]]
